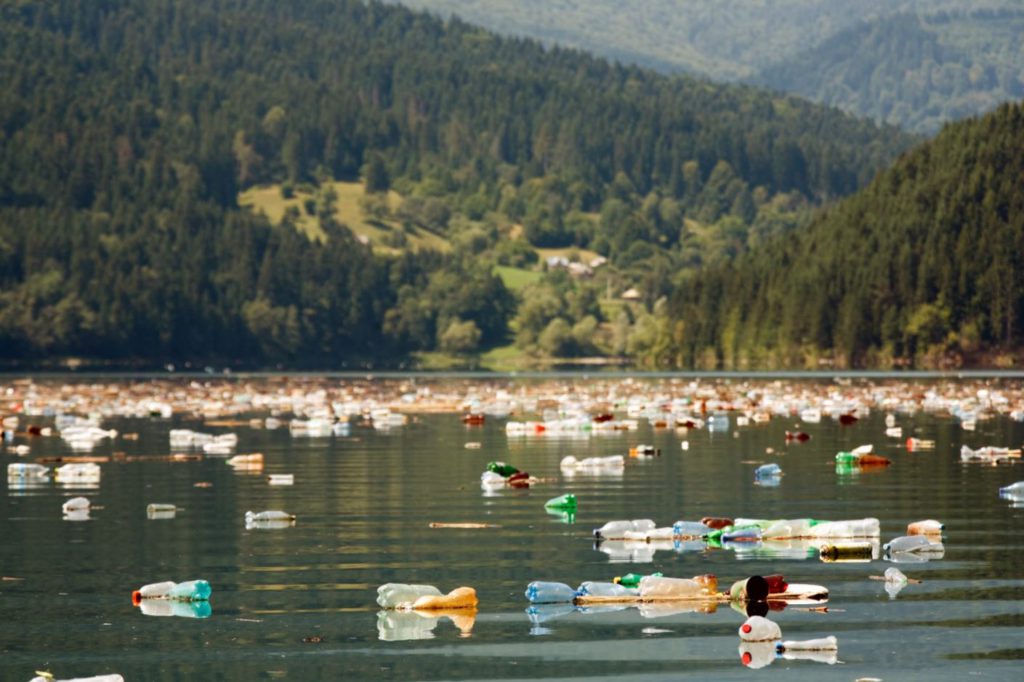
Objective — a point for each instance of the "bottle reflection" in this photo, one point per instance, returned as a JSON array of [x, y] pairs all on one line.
[[398, 626]]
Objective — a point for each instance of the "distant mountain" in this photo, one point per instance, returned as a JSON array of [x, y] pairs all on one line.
[[912, 71], [129, 127], [924, 266], [868, 57]]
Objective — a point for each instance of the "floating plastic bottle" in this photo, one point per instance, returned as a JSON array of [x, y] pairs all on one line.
[[829, 643], [759, 629], [912, 544], [776, 584], [690, 529], [281, 479], [914, 444], [273, 518], [716, 522], [852, 528], [847, 551], [76, 471], [633, 579], [771, 470], [789, 528], [95, 678], [861, 459], [1012, 489], [27, 470], [754, 588], [747, 534], [605, 590], [926, 527], [399, 595], [544, 592], [459, 598], [502, 469], [655, 587], [191, 590], [76, 504], [565, 502], [614, 530]]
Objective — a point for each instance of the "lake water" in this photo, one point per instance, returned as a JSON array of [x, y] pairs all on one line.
[[298, 603]]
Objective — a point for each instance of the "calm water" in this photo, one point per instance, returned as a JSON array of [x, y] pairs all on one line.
[[364, 503]]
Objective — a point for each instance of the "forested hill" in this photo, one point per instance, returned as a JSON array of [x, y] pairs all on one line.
[[913, 71], [912, 63], [926, 265], [128, 128]]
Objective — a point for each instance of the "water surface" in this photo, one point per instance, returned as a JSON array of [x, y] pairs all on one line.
[[298, 603]]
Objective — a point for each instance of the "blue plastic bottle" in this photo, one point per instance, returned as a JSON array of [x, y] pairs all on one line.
[[541, 592]]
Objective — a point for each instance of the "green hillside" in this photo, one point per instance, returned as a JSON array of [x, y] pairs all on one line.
[[911, 71], [135, 141], [923, 267]]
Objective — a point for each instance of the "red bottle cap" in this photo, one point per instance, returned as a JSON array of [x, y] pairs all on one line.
[[136, 597], [746, 628]]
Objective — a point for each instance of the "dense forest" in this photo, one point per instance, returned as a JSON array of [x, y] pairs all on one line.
[[925, 267], [128, 129], [912, 71], [912, 63]]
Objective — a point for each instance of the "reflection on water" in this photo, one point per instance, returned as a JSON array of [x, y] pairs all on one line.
[[397, 626]]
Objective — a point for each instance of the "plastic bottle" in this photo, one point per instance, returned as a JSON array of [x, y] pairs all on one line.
[[917, 544], [1012, 489], [95, 678], [747, 534], [566, 502], [852, 528], [281, 479], [543, 592], [926, 527], [632, 579], [394, 595], [592, 588], [776, 584], [847, 551], [502, 469], [76, 504], [489, 479], [269, 515], [689, 529], [658, 587], [789, 528], [716, 522], [768, 471], [754, 588], [617, 529], [459, 598], [192, 590], [26, 470], [759, 629], [822, 644]]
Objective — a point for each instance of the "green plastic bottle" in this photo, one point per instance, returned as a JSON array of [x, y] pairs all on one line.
[[847, 458], [633, 579], [502, 469], [565, 502]]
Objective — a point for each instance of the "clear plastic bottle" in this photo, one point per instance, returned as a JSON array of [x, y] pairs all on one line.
[[191, 590], [914, 544], [690, 529], [395, 595], [853, 528], [768, 471], [1012, 489], [829, 643], [654, 587], [544, 592], [76, 504], [789, 528], [269, 515], [614, 530], [607, 590], [26, 470]]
